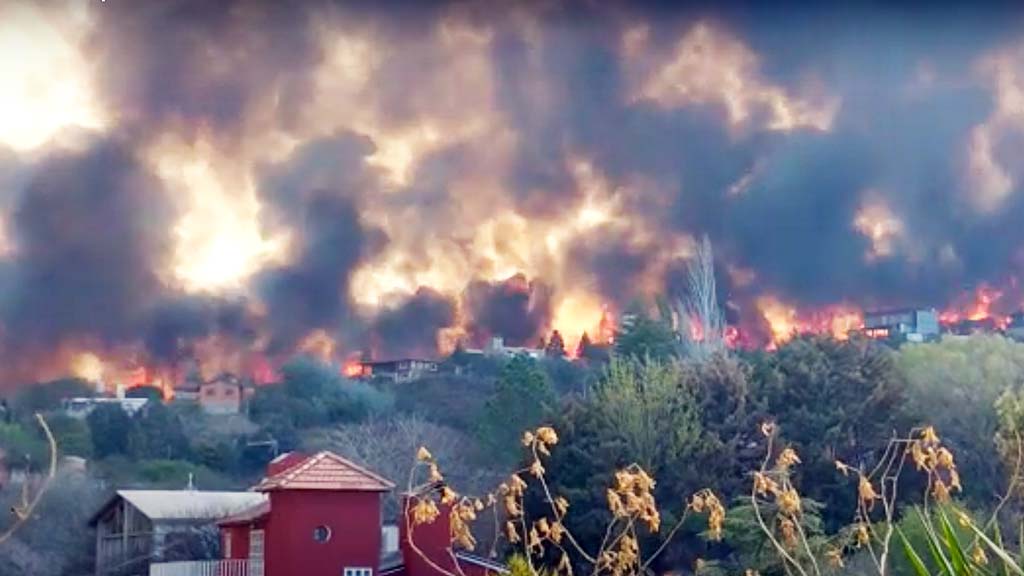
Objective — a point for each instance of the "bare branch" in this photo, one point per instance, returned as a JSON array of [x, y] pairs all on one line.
[[24, 512]]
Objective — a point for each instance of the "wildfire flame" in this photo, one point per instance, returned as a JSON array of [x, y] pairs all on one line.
[[582, 313], [576, 314], [979, 307], [785, 321], [352, 368]]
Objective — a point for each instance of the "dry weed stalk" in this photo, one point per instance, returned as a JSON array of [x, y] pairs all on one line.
[[875, 520], [630, 501], [634, 511]]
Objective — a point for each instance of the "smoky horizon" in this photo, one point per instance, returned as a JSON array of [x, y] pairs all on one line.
[[229, 184]]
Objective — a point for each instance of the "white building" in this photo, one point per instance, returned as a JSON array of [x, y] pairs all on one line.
[[496, 347], [81, 407]]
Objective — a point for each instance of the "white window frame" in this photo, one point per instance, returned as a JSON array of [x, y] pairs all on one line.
[[357, 571], [257, 546]]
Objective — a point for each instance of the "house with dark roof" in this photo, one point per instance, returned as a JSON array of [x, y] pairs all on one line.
[[321, 515], [401, 370], [904, 324]]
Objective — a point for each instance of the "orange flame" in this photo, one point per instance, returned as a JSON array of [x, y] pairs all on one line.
[[979, 308], [353, 369], [786, 322], [580, 313]]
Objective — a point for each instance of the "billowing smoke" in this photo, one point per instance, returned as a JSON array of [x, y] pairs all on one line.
[[177, 323], [412, 328], [200, 64], [315, 195], [516, 309], [90, 232], [249, 173]]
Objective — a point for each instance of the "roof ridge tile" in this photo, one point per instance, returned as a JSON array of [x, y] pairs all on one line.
[[326, 470]]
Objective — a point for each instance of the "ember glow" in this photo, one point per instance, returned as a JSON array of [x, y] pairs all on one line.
[[182, 193]]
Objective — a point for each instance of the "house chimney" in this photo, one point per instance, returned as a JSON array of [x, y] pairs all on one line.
[[497, 344], [284, 462]]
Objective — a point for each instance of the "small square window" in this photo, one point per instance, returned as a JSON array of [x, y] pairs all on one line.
[[358, 572]]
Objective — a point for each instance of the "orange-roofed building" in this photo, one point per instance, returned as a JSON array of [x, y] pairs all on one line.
[[322, 517]]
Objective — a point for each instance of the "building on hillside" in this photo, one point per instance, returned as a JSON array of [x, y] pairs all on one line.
[[403, 370], [223, 394], [1015, 328], [909, 324], [81, 407], [497, 347], [967, 326], [188, 389], [321, 516], [139, 528]]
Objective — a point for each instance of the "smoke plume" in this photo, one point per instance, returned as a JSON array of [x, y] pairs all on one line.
[[242, 175]]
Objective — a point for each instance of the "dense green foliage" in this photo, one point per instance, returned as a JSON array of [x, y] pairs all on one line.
[[455, 400], [73, 435], [833, 400], [23, 448], [110, 427], [643, 336], [314, 394], [953, 385], [47, 396], [522, 399]]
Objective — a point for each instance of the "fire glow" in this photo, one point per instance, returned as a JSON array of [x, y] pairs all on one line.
[[786, 322]]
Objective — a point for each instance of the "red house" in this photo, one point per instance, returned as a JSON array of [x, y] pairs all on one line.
[[322, 517]]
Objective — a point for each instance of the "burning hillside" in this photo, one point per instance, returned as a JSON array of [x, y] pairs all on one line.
[[218, 186]]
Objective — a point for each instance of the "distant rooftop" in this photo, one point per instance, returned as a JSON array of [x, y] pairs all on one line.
[[395, 361], [893, 311]]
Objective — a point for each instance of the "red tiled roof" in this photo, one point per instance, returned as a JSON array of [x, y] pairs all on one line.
[[325, 471]]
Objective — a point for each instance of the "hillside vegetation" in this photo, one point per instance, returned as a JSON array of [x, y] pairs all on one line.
[[694, 424]]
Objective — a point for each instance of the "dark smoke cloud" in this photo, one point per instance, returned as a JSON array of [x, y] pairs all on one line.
[[90, 229], [614, 262], [901, 130], [178, 322], [315, 195], [199, 63], [516, 309], [411, 329]]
